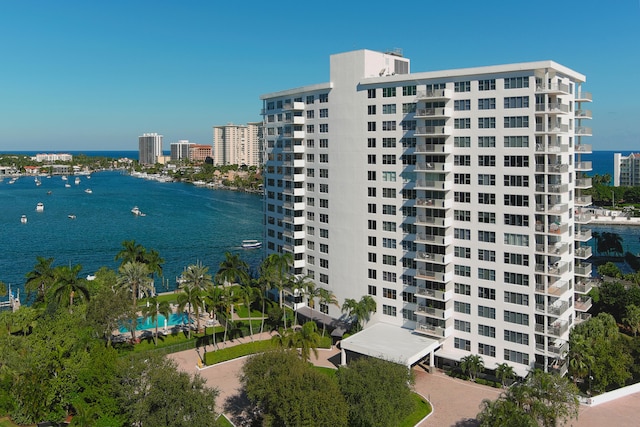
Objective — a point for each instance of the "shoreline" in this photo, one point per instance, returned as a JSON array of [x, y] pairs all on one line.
[[616, 220]]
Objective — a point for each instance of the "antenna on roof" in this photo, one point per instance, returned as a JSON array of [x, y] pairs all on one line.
[[382, 72]]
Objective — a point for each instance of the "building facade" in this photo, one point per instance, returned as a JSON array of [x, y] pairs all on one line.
[[452, 197], [149, 148], [180, 150], [198, 153], [626, 170], [238, 144]]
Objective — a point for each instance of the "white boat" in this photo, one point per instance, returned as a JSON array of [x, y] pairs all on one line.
[[137, 212], [23, 219], [88, 191], [71, 216], [251, 244], [67, 185], [77, 181], [40, 207], [64, 177]]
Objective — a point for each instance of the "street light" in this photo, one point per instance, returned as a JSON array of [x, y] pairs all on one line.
[[613, 199]]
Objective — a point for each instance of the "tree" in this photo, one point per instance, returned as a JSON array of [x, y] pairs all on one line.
[[133, 276], [192, 299], [154, 263], [67, 284], [131, 252], [40, 278], [232, 270], [214, 301], [306, 288], [610, 270], [247, 296], [504, 373], [378, 392], [580, 358], [307, 340], [544, 399], [327, 297], [632, 318], [473, 365], [275, 268], [196, 276], [360, 310], [153, 310], [108, 309], [285, 390]]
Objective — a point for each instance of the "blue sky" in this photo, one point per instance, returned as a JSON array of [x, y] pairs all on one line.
[[93, 75]]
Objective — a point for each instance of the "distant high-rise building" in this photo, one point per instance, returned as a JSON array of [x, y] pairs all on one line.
[[237, 144], [149, 148], [626, 170], [198, 153], [180, 150], [452, 198]]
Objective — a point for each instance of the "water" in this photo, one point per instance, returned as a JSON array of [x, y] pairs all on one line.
[[602, 162], [630, 236], [184, 223], [146, 323]]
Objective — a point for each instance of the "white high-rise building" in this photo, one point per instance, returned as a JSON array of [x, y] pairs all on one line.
[[237, 144], [149, 148], [626, 170], [180, 150], [452, 197]]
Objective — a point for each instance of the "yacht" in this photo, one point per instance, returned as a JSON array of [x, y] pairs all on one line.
[[88, 191], [71, 216], [77, 181], [251, 244], [23, 219], [137, 212], [40, 207]]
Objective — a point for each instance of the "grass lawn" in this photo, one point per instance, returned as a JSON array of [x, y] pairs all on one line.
[[423, 408], [6, 422]]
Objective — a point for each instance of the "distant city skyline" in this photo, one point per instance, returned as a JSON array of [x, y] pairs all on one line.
[[94, 76]]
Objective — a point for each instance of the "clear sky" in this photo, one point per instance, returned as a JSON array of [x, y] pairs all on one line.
[[94, 75]]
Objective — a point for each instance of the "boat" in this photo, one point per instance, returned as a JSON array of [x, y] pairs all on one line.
[[67, 185], [64, 177], [71, 216], [40, 207], [88, 191], [251, 244], [49, 193], [23, 219], [77, 181], [137, 212]]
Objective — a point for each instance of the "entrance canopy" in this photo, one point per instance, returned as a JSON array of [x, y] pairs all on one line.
[[392, 343]]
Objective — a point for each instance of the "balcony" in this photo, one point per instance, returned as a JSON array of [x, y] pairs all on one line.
[[581, 317], [435, 203], [583, 131], [583, 269], [434, 167], [552, 148], [437, 276], [552, 129], [583, 235], [433, 130], [559, 349], [433, 221], [583, 148], [425, 95], [584, 166], [430, 311], [561, 368], [583, 114], [583, 201], [295, 120], [552, 108], [293, 106], [432, 294], [558, 308], [434, 185], [558, 188], [558, 228], [583, 218], [558, 208], [434, 112], [434, 148], [432, 330], [583, 183], [559, 88], [583, 97], [584, 252], [583, 303], [584, 286], [558, 328]]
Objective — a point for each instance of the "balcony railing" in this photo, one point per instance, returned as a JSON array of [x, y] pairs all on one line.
[[433, 112], [430, 311], [583, 114], [583, 182], [583, 235], [583, 148], [581, 130], [433, 130], [557, 128], [581, 317], [583, 200], [424, 256], [584, 252], [584, 166], [552, 87], [557, 329], [584, 97], [583, 217], [559, 350], [552, 107], [583, 303], [432, 330], [430, 275], [583, 269], [430, 293], [584, 286], [434, 148], [434, 94]]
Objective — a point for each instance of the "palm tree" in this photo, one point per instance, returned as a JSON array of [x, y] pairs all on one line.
[[197, 276], [214, 299], [306, 287], [67, 283], [360, 310], [40, 278], [307, 339], [504, 373], [263, 286], [154, 263], [229, 298], [153, 310], [191, 297], [134, 277], [284, 338], [131, 252], [473, 364], [326, 297], [232, 270], [275, 268], [247, 296]]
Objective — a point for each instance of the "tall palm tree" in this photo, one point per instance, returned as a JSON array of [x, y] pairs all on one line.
[[473, 364], [275, 268], [327, 297], [230, 297], [284, 338], [504, 373], [133, 276], [192, 299], [154, 310], [306, 287], [360, 310], [40, 278], [197, 276], [232, 270], [307, 339], [131, 252], [154, 263], [262, 285], [214, 299], [248, 296], [67, 284]]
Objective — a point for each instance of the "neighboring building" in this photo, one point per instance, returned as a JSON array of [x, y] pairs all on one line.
[[180, 150], [198, 153], [62, 157], [237, 144], [149, 148], [452, 197], [626, 170]]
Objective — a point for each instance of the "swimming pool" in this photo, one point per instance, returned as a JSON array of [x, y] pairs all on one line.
[[147, 323]]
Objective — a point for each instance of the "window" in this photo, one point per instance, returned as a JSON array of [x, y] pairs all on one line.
[[389, 176], [388, 159], [516, 122], [516, 259], [516, 356], [462, 123], [389, 209], [324, 203], [462, 270], [389, 125], [516, 298], [388, 92], [372, 273], [516, 200], [487, 104], [462, 141], [516, 141], [389, 243], [462, 197], [310, 99], [516, 239], [408, 125], [487, 274], [324, 158], [324, 143], [486, 141], [487, 331], [487, 350], [462, 104], [310, 129], [460, 215], [323, 97], [516, 180], [516, 161], [488, 312], [389, 193], [462, 233], [388, 142], [409, 315], [486, 255], [486, 122], [371, 142], [409, 297], [461, 160], [389, 276], [516, 337], [409, 107], [389, 109], [516, 82], [462, 289], [486, 198], [371, 93], [388, 226], [461, 307], [372, 240], [324, 263], [462, 344], [516, 220], [462, 325], [371, 127], [371, 208], [371, 175], [487, 84], [324, 113], [486, 236], [462, 178], [324, 188], [515, 317], [371, 159], [462, 86], [516, 279], [324, 218], [372, 224], [324, 173], [311, 172], [310, 114], [461, 252], [408, 90], [516, 102], [487, 217], [389, 293], [486, 293], [486, 179], [389, 310]]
